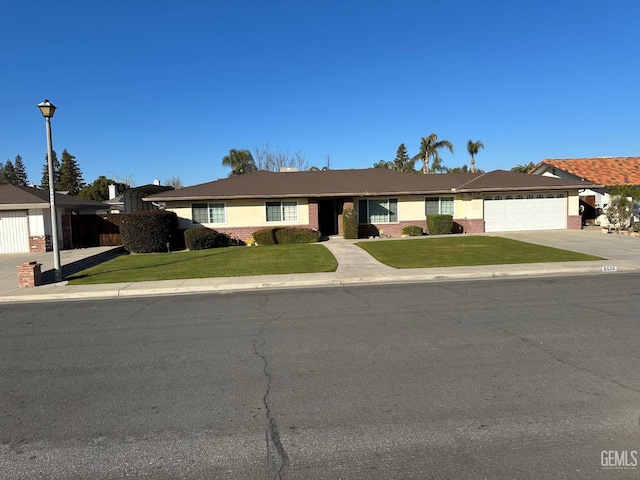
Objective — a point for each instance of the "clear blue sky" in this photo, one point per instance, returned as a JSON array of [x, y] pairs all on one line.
[[157, 88]]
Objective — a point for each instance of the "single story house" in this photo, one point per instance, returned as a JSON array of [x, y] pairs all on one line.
[[385, 201], [25, 218], [602, 171]]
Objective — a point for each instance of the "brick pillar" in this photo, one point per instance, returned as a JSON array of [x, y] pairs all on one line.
[[313, 215], [40, 243], [29, 274], [343, 204]]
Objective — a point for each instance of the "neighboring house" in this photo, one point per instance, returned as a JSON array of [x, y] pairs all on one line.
[[603, 171], [131, 199], [25, 219], [385, 200]]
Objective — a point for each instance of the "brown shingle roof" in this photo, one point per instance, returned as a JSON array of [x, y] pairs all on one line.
[[20, 195], [366, 182], [602, 170]]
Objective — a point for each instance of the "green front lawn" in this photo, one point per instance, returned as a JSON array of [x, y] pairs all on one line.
[[217, 262], [456, 251]]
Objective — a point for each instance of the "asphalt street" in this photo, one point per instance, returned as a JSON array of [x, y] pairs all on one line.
[[501, 379]]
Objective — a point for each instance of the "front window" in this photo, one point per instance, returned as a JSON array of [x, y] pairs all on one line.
[[378, 210], [282, 211], [208, 213], [438, 205]]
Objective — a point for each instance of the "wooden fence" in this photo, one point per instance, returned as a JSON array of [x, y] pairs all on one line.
[[91, 230]]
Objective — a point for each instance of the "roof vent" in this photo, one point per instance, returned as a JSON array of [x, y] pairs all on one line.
[[288, 169]]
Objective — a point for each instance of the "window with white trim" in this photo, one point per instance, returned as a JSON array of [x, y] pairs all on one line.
[[378, 210], [438, 205], [281, 211], [208, 213]]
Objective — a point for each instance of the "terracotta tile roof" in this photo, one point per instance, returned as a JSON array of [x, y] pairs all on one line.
[[17, 195], [606, 171], [365, 182]]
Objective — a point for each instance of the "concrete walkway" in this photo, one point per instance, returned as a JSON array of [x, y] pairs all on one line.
[[355, 267]]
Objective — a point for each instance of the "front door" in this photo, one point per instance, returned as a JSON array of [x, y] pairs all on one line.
[[327, 217]]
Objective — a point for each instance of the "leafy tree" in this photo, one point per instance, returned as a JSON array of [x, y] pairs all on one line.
[[462, 169], [98, 190], [383, 164], [21, 171], [525, 168], [473, 148], [402, 162], [240, 161], [70, 175], [429, 147], [44, 183], [274, 159], [8, 173]]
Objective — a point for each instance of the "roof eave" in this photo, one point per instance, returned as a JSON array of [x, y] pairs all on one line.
[[23, 206]]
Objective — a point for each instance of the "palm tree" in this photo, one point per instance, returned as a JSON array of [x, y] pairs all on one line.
[[524, 168], [472, 148], [429, 147], [240, 161]]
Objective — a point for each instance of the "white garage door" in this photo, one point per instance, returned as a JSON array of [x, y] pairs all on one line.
[[507, 213], [14, 232]]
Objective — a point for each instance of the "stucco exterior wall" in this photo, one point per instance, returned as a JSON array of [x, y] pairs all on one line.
[[239, 214]]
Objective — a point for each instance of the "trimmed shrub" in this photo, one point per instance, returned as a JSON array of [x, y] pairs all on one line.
[[439, 224], [265, 237], [349, 223], [202, 238], [148, 231], [412, 230], [286, 235]]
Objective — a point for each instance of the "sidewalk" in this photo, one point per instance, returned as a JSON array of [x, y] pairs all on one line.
[[355, 267]]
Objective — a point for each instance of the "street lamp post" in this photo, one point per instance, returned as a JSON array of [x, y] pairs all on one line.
[[48, 109]]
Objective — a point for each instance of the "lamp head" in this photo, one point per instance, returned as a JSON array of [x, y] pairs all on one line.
[[47, 108]]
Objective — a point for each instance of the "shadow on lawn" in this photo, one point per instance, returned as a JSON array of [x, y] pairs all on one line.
[[174, 261]]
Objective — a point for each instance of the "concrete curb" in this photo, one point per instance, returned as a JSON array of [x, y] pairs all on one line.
[[239, 284]]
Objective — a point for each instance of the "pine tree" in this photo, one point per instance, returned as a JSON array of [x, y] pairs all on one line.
[[44, 183], [70, 179], [402, 162], [21, 171], [9, 173]]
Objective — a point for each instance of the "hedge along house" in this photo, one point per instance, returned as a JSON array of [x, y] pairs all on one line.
[[384, 200], [25, 221]]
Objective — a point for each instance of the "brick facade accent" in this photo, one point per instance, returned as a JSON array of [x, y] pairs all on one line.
[[313, 215], [345, 205], [29, 274], [470, 226], [245, 233], [40, 243], [574, 222]]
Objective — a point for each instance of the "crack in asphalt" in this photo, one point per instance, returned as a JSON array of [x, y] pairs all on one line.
[[277, 457]]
